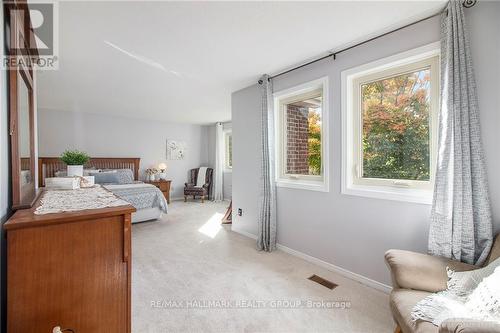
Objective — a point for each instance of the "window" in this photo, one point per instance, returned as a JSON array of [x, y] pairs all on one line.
[[301, 136], [228, 156], [390, 113]]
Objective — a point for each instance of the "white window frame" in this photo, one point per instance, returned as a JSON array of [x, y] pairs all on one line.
[[352, 181], [305, 182], [227, 133]]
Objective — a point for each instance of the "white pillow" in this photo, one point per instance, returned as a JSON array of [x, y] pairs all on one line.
[[86, 172], [484, 302], [462, 283], [479, 299]]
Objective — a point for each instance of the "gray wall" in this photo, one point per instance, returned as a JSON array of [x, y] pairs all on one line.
[[111, 136], [348, 231], [245, 118], [484, 23]]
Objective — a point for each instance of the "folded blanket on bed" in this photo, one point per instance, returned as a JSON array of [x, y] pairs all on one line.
[[140, 196]]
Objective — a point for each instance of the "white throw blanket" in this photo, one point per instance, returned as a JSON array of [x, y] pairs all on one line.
[[202, 174], [472, 295]]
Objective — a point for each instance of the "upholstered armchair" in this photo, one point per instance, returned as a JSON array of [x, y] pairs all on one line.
[[203, 192], [417, 275]]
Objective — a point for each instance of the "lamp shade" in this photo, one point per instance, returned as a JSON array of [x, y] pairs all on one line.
[[162, 166]]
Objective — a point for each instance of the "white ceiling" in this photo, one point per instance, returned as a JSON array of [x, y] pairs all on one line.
[[180, 61]]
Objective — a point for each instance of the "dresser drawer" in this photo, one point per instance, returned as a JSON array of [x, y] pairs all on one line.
[[75, 275]]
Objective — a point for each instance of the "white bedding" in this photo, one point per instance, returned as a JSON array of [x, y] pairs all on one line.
[[134, 185], [143, 214], [146, 214]]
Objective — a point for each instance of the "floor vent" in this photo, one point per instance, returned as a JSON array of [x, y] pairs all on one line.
[[323, 282]]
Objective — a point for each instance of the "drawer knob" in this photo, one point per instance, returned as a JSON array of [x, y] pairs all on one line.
[[58, 329]]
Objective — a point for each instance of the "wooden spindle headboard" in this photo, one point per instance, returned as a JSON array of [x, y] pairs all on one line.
[[48, 166]]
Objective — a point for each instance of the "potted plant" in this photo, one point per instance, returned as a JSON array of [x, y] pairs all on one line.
[[75, 160], [151, 172]]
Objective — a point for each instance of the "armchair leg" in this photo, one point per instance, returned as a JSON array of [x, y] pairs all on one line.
[[185, 198], [398, 329], [202, 199]]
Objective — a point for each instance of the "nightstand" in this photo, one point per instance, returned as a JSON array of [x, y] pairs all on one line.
[[163, 185]]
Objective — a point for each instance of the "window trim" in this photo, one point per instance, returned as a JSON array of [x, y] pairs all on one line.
[[409, 191], [429, 62], [305, 182], [282, 120], [227, 133]]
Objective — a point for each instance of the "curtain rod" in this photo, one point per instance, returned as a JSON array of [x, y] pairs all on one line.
[[465, 3]]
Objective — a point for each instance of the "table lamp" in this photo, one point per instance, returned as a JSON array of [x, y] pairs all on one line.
[[163, 168]]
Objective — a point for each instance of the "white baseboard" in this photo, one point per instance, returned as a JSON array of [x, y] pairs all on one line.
[[331, 267], [342, 271]]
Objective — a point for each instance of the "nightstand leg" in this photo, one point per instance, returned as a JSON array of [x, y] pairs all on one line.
[[185, 198]]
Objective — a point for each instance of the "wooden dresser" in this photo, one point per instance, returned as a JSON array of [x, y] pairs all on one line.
[[71, 270]]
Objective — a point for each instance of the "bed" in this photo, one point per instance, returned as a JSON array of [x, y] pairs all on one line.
[[146, 198]]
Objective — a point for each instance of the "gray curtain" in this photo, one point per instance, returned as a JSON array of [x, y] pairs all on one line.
[[461, 226], [218, 185], [266, 239]]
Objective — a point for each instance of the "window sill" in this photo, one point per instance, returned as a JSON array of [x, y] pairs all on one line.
[[390, 193], [303, 185]]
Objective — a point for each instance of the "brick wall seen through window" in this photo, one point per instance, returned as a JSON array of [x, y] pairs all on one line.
[[303, 136]]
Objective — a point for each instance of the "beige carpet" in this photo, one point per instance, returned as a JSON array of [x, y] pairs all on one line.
[[192, 275]]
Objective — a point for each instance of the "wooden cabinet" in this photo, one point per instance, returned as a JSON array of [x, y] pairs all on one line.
[[164, 186], [71, 270]]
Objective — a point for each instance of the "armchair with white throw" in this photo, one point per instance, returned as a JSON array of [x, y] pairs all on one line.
[[200, 183], [416, 276]]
